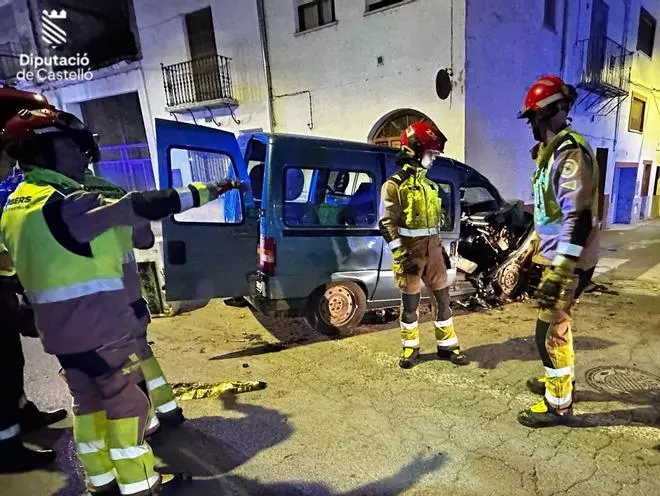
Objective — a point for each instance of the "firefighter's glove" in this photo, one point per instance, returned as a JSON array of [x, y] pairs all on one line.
[[557, 284], [403, 262], [219, 188], [533, 247]]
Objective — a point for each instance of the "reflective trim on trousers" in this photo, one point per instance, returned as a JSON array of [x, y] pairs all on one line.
[[76, 290], [10, 432], [186, 199], [418, 233], [167, 407], [448, 343], [444, 323], [129, 257], [410, 343], [555, 401], [102, 479], [129, 453], [136, 487], [409, 327], [558, 372], [394, 244], [90, 447], [569, 249], [153, 423], [156, 383]]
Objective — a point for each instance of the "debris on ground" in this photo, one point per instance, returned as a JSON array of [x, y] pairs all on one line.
[[204, 390]]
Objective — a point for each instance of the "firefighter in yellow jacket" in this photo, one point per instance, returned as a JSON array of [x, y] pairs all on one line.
[[565, 186], [410, 224], [63, 241]]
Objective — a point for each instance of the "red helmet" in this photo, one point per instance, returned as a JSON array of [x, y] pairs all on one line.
[[13, 100], [28, 126], [542, 96], [420, 137]]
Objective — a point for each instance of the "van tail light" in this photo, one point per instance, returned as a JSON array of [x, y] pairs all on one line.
[[267, 256]]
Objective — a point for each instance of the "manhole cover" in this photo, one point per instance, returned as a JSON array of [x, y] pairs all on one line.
[[625, 383]]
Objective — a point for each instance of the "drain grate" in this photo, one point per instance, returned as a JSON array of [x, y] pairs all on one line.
[[625, 382]]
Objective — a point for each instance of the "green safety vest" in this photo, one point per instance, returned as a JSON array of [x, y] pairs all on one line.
[[546, 208], [49, 271], [420, 202]]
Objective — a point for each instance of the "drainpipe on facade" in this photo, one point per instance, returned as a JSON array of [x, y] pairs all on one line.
[[564, 35], [263, 35]]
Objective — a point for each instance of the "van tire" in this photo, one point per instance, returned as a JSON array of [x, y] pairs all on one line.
[[336, 308]]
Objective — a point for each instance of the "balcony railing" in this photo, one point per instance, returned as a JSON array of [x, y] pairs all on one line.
[[604, 66], [198, 83]]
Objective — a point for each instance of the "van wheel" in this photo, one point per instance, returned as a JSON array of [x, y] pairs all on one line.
[[336, 308]]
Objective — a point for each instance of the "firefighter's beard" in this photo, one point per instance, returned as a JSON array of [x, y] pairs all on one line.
[[428, 158]]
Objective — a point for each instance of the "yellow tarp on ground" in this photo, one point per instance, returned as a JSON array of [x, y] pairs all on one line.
[[203, 390]]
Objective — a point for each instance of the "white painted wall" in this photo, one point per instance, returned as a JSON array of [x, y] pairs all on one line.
[[507, 49], [350, 91], [496, 80]]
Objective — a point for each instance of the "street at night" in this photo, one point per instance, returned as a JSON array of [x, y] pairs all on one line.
[[338, 417]]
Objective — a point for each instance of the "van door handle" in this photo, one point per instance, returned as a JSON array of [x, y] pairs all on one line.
[[242, 234]]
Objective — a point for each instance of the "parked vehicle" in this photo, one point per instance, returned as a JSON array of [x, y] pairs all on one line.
[[304, 238]]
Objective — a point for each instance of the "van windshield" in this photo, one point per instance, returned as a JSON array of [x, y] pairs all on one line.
[[325, 197]]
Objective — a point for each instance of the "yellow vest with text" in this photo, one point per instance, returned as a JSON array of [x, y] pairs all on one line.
[[49, 271]]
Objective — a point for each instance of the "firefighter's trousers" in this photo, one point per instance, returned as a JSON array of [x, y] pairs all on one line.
[[554, 339], [431, 261], [110, 417]]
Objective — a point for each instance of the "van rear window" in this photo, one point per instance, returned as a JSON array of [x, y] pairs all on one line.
[[323, 197], [189, 166]]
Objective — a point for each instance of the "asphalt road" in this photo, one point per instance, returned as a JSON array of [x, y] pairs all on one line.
[[340, 418]]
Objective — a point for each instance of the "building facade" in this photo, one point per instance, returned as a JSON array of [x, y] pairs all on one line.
[[362, 70]]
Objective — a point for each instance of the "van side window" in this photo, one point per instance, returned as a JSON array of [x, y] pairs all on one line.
[[323, 197], [197, 166], [446, 194]]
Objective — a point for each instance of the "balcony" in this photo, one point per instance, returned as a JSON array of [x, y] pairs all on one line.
[[199, 83], [604, 67]]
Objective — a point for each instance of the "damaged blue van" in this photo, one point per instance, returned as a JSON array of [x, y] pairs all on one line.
[[303, 239]]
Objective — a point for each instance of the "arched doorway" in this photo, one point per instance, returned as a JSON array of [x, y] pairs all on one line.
[[388, 129]]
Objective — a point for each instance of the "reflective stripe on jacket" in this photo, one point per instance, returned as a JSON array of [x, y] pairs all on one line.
[[565, 187], [411, 206], [66, 281]]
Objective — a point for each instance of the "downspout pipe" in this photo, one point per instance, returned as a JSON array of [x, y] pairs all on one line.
[[263, 35], [624, 53], [564, 36]]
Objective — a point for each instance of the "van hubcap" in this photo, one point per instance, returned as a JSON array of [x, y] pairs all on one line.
[[337, 306]]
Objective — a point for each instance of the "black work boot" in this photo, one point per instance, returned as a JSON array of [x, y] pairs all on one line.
[[543, 415], [537, 386], [172, 419], [409, 358], [16, 457], [32, 418], [455, 356]]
